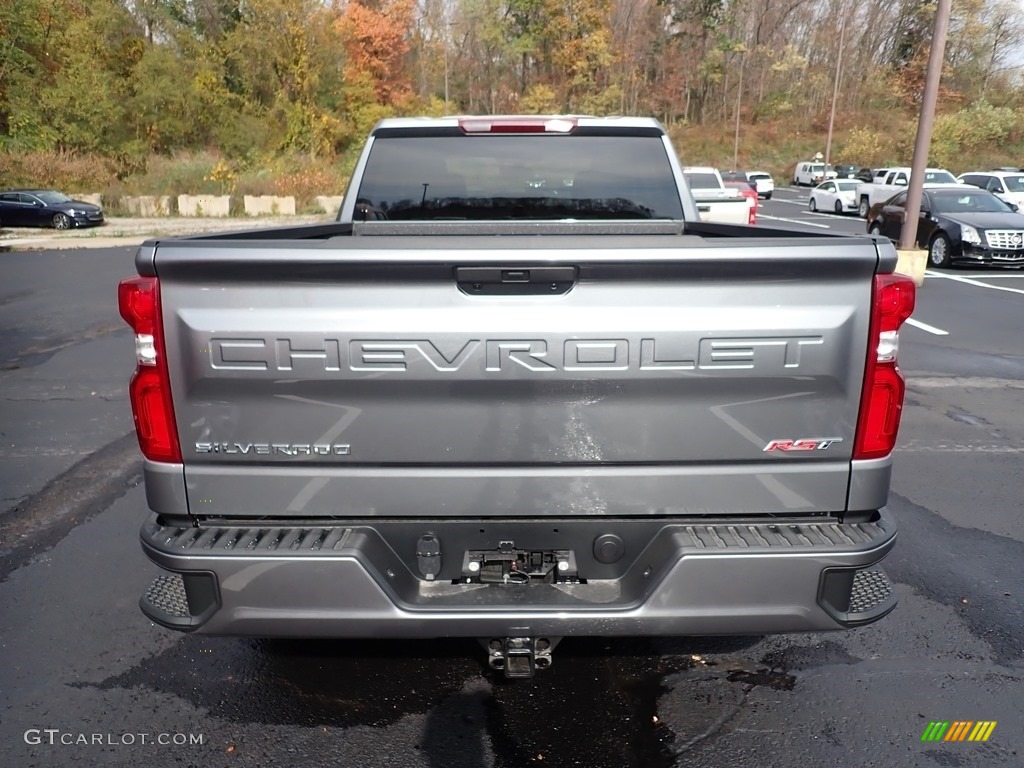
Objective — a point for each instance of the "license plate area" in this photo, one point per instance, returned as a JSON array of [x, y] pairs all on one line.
[[511, 565]]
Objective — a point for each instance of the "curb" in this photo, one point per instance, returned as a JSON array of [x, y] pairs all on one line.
[[96, 237]]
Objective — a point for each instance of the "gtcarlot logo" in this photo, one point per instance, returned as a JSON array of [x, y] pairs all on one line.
[[56, 737], [958, 730]]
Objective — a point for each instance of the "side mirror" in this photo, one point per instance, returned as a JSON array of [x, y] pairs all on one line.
[[1014, 207]]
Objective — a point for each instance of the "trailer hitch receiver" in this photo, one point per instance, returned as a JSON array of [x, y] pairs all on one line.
[[520, 656]]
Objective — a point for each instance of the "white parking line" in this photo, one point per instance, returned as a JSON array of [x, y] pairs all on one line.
[[968, 281], [793, 221], [926, 327], [963, 382], [828, 215], [1018, 276]]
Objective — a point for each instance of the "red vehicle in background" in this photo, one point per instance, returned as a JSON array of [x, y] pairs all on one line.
[[749, 191]]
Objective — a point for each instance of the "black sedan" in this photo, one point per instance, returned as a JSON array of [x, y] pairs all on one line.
[[957, 224], [46, 208]]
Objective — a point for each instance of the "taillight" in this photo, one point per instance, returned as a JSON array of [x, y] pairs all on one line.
[[882, 398], [138, 299]]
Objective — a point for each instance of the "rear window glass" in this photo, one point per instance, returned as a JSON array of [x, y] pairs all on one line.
[[702, 180], [517, 177]]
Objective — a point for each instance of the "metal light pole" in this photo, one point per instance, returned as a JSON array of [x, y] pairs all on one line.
[[908, 240], [835, 96]]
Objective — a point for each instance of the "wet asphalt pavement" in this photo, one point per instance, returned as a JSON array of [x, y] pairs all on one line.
[[87, 680]]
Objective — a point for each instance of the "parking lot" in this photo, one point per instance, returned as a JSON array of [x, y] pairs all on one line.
[[87, 680]]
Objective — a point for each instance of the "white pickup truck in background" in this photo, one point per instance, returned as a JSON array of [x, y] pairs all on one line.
[[715, 201], [886, 182]]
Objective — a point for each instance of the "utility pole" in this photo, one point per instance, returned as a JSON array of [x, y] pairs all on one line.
[[908, 240], [835, 95], [739, 96]]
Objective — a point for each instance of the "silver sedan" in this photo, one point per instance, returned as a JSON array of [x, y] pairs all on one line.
[[838, 196]]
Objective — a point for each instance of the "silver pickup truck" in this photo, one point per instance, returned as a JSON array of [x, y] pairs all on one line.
[[517, 392]]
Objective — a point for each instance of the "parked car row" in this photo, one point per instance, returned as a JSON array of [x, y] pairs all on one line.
[[846, 195], [46, 208]]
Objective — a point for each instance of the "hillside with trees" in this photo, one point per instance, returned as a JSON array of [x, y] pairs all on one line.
[[119, 89]]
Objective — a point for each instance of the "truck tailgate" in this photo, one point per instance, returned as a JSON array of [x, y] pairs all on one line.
[[369, 377]]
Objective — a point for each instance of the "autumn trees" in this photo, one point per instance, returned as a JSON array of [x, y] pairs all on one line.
[[130, 77]]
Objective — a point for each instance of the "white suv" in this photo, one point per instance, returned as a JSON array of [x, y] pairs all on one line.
[[1003, 184], [764, 181]]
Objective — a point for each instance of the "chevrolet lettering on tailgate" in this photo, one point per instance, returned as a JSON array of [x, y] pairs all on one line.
[[496, 355]]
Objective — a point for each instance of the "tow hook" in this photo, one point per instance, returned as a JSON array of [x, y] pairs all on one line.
[[520, 656]]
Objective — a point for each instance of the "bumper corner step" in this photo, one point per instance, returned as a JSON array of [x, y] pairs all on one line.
[[181, 601], [854, 597]]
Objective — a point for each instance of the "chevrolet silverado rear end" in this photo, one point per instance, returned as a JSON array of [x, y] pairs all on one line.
[[589, 415]]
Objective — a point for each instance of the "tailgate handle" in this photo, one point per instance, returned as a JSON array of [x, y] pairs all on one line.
[[515, 281]]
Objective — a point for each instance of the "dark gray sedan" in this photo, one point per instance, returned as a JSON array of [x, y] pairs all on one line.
[[46, 208]]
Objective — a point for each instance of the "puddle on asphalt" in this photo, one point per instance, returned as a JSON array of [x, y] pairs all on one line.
[[603, 702], [765, 677]]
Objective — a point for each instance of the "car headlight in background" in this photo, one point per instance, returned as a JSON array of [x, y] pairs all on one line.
[[969, 234]]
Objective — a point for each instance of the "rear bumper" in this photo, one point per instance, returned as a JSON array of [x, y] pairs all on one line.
[[714, 578]]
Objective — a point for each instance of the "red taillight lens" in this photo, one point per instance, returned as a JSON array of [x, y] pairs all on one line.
[[154, 421], [882, 399], [138, 299]]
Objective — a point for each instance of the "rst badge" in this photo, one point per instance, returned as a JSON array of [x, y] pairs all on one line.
[[804, 444]]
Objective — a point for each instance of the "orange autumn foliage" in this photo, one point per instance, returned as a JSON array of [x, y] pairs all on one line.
[[376, 45]]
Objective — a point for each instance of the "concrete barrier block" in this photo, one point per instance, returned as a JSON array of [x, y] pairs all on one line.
[[148, 206], [88, 197], [913, 264], [204, 205], [329, 203], [269, 205]]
